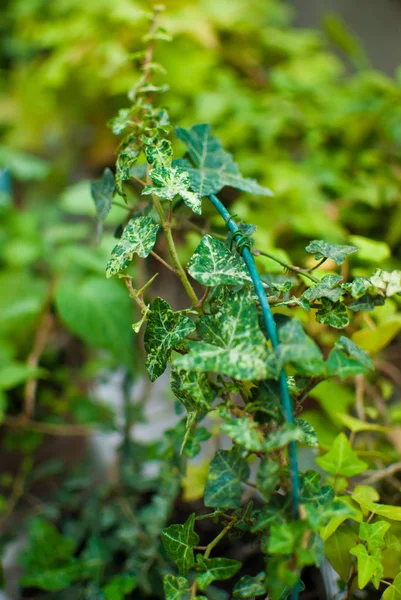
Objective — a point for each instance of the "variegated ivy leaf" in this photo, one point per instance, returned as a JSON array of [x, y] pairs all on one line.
[[232, 343], [159, 154], [294, 301], [226, 472], [212, 167], [334, 314], [119, 123], [326, 288], [175, 588], [192, 389], [248, 588], [169, 182], [179, 541], [102, 193], [366, 295], [358, 287], [138, 237], [337, 253], [388, 281], [347, 359], [309, 437], [215, 569], [298, 349], [125, 161], [213, 264], [244, 432], [165, 329]]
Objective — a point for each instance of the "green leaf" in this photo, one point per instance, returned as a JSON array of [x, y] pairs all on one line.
[[289, 432], [358, 287], [285, 537], [102, 193], [333, 314], [373, 534], [192, 389], [233, 343], [99, 312], [248, 588], [121, 121], [308, 436], [371, 250], [54, 580], [244, 432], [298, 349], [368, 563], [165, 329], [193, 444], [169, 182], [159, 154], [394, 591], [179, 541], [175, 588], [213, 167], [138, 237], [14, 373], [341, 459], [125, 161], [119, 587], [367, 497], [335, 521], [337, 253], [326, 288], [215, 569], [223, 487], [48, 561], [337, 550], [213, 264], [347, 359]]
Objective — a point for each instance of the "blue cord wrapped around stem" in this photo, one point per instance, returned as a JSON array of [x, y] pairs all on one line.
[[272, 333]]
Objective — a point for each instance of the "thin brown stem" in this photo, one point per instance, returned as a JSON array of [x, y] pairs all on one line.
[[133, 293], [166, 225], [382, 474], [163, 262], [41, 338], [47, 428], [319, 264], [17, 490], [293, 268]]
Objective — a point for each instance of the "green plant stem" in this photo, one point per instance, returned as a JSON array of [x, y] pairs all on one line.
[[166, 224], [209, 548], [298, 270], [163, 262], [218, 538]]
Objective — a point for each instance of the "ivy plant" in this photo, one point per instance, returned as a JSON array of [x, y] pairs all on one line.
[[226, 365], [245, 496]]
